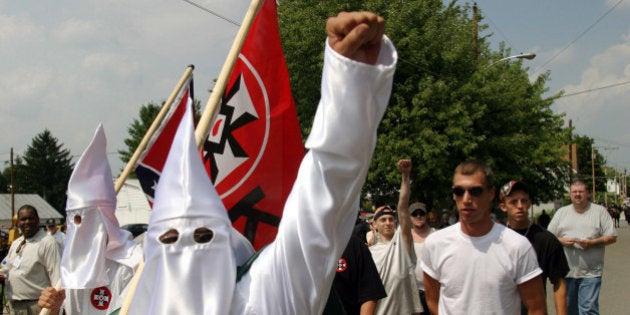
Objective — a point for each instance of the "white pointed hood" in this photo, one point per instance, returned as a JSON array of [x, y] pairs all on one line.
[[93, 233], [202, 272]]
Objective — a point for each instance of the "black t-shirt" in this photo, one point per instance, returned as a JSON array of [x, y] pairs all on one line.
[[550, 254], [356, 279], [544, 220]]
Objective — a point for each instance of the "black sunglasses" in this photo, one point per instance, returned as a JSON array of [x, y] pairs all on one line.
[[474, 191], [418, 214]]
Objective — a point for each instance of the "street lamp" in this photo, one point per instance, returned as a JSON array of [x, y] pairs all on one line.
[[528, 56]]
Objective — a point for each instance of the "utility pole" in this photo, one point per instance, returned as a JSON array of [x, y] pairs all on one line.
[[593, 169], [573, 158], [606, 191], [606, 148], [12, 191], [616, 185], [475, 34]]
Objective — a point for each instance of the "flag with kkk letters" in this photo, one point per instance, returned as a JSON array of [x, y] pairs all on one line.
[[254, 147]]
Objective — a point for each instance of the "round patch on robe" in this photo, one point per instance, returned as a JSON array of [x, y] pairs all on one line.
[[342, 265], [101, 297]]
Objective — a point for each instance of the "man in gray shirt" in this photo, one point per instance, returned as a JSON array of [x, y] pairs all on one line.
[[584, 229]]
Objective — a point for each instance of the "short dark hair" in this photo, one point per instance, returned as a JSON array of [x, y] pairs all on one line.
[[470, 167], [30, 208], [579, 180]]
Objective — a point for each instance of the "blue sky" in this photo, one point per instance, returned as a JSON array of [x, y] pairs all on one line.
[[68, 65], [584, 45]]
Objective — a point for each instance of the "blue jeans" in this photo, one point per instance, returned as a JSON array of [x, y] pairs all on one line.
[[583, 295]]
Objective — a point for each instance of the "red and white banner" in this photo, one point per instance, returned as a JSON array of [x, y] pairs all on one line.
[[151, 162], [254, 146]]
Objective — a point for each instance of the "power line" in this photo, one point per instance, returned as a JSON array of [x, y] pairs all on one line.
[[212, 12], [579, 36], [595, 89], [485, 16]]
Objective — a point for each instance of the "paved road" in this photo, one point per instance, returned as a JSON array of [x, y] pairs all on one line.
[[615, 293]]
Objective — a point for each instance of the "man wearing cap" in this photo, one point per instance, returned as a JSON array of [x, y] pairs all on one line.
[[419, 231], [53, 230], [584, 229], [477, 266], [393, 253], [515, 202], [31, 265]]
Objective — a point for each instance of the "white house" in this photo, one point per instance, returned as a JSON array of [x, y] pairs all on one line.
[[132, 206]]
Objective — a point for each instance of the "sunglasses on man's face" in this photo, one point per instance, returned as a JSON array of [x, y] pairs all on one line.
[[418, 214], [473, 191]]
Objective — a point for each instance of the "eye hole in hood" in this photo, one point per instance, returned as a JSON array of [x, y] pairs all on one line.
[[203, 235], [169, 237]]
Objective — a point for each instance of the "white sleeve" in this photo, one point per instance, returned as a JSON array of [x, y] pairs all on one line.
[[527, 265], [293, 274]]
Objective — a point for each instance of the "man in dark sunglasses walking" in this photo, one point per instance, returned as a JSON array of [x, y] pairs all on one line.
[[477, 266]]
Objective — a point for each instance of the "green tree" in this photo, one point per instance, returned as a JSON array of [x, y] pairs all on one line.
[[138, 129], [141, 125], [45, 170], [447, 104], [5, 180], [585, 164], [5, 177]]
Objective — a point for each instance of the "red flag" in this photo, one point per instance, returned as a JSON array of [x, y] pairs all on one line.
[[254, 146], [152, 160]]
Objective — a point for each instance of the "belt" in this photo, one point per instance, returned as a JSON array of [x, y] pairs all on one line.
[[23, 301]]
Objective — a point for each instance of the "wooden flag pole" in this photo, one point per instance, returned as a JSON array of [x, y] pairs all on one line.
[[208, 114], [156, 123], [124, 309], [219, 87]]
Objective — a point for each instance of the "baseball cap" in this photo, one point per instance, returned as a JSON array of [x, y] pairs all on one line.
[[418, 206], [510, 186], [383, 210], [50, 222]]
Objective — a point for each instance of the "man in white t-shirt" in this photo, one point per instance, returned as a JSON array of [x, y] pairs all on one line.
[[53, 230], [477, 266], [420, 229], [393, 253]]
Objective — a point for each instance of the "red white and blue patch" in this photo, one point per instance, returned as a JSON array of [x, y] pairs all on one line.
[[101, 297]]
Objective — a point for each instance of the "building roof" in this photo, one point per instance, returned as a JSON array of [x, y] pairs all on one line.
[[44, 210]]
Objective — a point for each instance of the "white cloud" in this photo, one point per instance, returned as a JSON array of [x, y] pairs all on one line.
[[76, 32], [18, 33], [601, 111], [67, 65]]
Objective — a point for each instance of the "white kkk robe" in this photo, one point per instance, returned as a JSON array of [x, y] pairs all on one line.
[[293, 274]]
